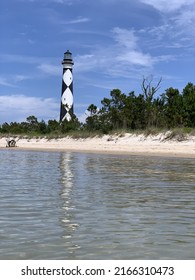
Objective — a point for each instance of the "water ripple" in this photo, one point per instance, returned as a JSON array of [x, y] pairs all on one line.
[[90, 206]]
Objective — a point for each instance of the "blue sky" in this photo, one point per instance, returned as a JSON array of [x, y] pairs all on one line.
[[114, 44]]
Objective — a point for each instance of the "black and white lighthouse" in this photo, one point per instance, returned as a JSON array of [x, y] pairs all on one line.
[[67, 88]]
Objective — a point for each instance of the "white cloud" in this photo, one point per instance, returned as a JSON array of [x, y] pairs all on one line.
[[179, 16], [4, 82], [85, 62], [77, 20], [136, 58], [125, 37], [82, 117], [130, 51], [18, 107], [20, 78], [50, 69], [122, 57], [186, 18], [61, 1], [168, 6], [125, 51], [178, 30]]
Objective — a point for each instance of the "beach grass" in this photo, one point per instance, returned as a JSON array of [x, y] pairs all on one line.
[[179, 134]]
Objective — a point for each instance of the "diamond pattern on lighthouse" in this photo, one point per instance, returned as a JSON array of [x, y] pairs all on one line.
[[67, 96], [67, 77], [67, 103], [67, 99]]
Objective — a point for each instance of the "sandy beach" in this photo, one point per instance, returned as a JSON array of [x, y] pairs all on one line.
[[155, 145]]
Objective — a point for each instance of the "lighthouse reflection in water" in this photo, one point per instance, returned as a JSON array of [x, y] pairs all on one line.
[[68, 206], [92, 206]]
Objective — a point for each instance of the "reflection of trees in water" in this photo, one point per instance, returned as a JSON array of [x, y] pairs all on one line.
[[66, 167], [180, 170]]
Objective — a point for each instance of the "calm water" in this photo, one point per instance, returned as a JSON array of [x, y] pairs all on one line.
[[90, 206]]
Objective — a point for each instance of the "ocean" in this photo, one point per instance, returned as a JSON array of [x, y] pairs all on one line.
[[62, 205]]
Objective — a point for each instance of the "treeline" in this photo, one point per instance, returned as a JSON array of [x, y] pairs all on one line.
[[123, 111], [34, 127], [171, 109]]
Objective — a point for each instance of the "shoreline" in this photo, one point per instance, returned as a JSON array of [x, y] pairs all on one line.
[[127, 144]]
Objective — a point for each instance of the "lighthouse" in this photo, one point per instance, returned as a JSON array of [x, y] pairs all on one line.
[[66, 109]]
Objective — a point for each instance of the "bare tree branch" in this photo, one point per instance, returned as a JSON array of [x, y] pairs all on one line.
[[148, 89]]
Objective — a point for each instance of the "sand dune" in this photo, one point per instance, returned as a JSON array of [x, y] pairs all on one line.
[[158, 145]]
